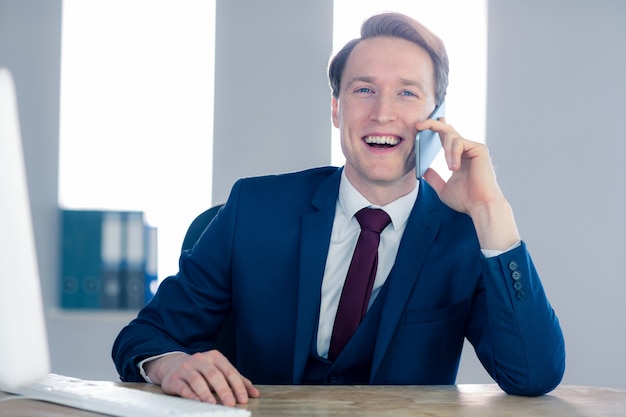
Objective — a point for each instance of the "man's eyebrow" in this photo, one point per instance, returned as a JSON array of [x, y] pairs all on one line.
[[413, 83], [360, 79]]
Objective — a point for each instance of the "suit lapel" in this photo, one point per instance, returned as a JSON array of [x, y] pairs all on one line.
[[316, 229], [421, 230]]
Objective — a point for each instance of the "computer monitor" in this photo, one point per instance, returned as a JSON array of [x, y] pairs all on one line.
[[24, 356]]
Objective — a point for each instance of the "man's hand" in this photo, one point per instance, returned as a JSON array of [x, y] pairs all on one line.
[[472, 188], [201, 375]]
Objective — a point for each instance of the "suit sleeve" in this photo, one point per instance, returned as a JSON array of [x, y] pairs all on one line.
[[513, 327], [189, 308]]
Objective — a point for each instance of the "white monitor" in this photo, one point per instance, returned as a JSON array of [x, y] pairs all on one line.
[[24, 355]]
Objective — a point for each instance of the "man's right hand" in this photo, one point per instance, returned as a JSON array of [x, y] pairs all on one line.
[[200, 376]]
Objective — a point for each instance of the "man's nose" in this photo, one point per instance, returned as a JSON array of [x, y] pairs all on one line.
[[384, 109]]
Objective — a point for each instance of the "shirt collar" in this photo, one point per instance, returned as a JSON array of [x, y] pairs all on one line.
[[351, 201]]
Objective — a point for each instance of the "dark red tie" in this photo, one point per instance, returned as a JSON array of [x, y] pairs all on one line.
[[360, 279]]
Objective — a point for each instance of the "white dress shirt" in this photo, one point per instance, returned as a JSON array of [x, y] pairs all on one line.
[[343, 239]]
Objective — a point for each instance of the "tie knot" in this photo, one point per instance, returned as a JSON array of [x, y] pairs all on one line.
[[374, 220]]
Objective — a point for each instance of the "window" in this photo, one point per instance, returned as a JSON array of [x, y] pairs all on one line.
[[136, 119], [137, 100], [462, 25]]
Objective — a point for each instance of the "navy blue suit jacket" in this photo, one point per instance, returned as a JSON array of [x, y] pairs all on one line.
[[263, 257]]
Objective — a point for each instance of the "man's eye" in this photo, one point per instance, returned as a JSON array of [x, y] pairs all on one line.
[[408, 94], [364, 90]]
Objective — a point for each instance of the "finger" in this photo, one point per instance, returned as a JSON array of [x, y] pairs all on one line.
[[434, 179], [453, 147], [188, 391], [188, 387], [253, 391], [438, 126], [218, 383], [238, 385], [201, 386], [230, 388], [223, 378], [451, 141], [241, 387]]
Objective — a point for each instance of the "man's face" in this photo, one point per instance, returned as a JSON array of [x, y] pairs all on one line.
[[387, 87]]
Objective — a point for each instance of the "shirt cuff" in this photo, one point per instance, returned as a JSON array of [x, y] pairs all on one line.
[[491, 253], [142, 371]]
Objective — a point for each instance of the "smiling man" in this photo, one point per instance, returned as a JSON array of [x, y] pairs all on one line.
[[387, 87], [434, 262]]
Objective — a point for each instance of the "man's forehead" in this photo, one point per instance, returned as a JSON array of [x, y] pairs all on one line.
[[383, 58], [378, 49]]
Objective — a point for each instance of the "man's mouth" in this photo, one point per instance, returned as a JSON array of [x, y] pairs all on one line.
[[382, 141]]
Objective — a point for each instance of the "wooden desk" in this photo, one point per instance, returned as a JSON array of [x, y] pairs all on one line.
[[397, 401]]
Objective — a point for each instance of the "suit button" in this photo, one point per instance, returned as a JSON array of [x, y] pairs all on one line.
[[521, 295], [513, 265], [518, 285], [516, 275]]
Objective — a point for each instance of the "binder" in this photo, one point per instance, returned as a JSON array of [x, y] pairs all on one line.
[[80, 260], [111, 259], [151, 271], [133, 261]]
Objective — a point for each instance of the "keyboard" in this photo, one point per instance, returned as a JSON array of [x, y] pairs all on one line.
[[107, 398]]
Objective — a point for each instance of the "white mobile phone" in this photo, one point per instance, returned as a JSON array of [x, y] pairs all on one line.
[[428, 144]]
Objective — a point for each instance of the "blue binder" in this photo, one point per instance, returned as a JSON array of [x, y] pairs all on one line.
[[81, 280]]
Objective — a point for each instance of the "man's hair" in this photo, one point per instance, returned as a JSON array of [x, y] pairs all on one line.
[[398, 26]]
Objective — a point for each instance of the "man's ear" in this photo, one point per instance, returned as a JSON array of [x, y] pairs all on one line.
[[334, 105]]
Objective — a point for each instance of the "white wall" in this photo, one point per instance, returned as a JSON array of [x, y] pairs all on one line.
[[556, 104], [30, 46], [556, 127], [272, 100]]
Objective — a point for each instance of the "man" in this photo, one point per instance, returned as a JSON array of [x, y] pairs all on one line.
[[450, 266]]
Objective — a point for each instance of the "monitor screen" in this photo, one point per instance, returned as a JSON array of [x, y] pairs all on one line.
[[24, 355]]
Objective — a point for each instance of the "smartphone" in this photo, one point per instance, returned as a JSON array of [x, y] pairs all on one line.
[[428, 144]]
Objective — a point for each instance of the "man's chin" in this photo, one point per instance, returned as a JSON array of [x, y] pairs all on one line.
[[391, 178]]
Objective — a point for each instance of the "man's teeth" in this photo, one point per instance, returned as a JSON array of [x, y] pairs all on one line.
[[382, 140]]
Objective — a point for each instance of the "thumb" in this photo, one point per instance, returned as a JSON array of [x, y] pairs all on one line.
[[434, 179]]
